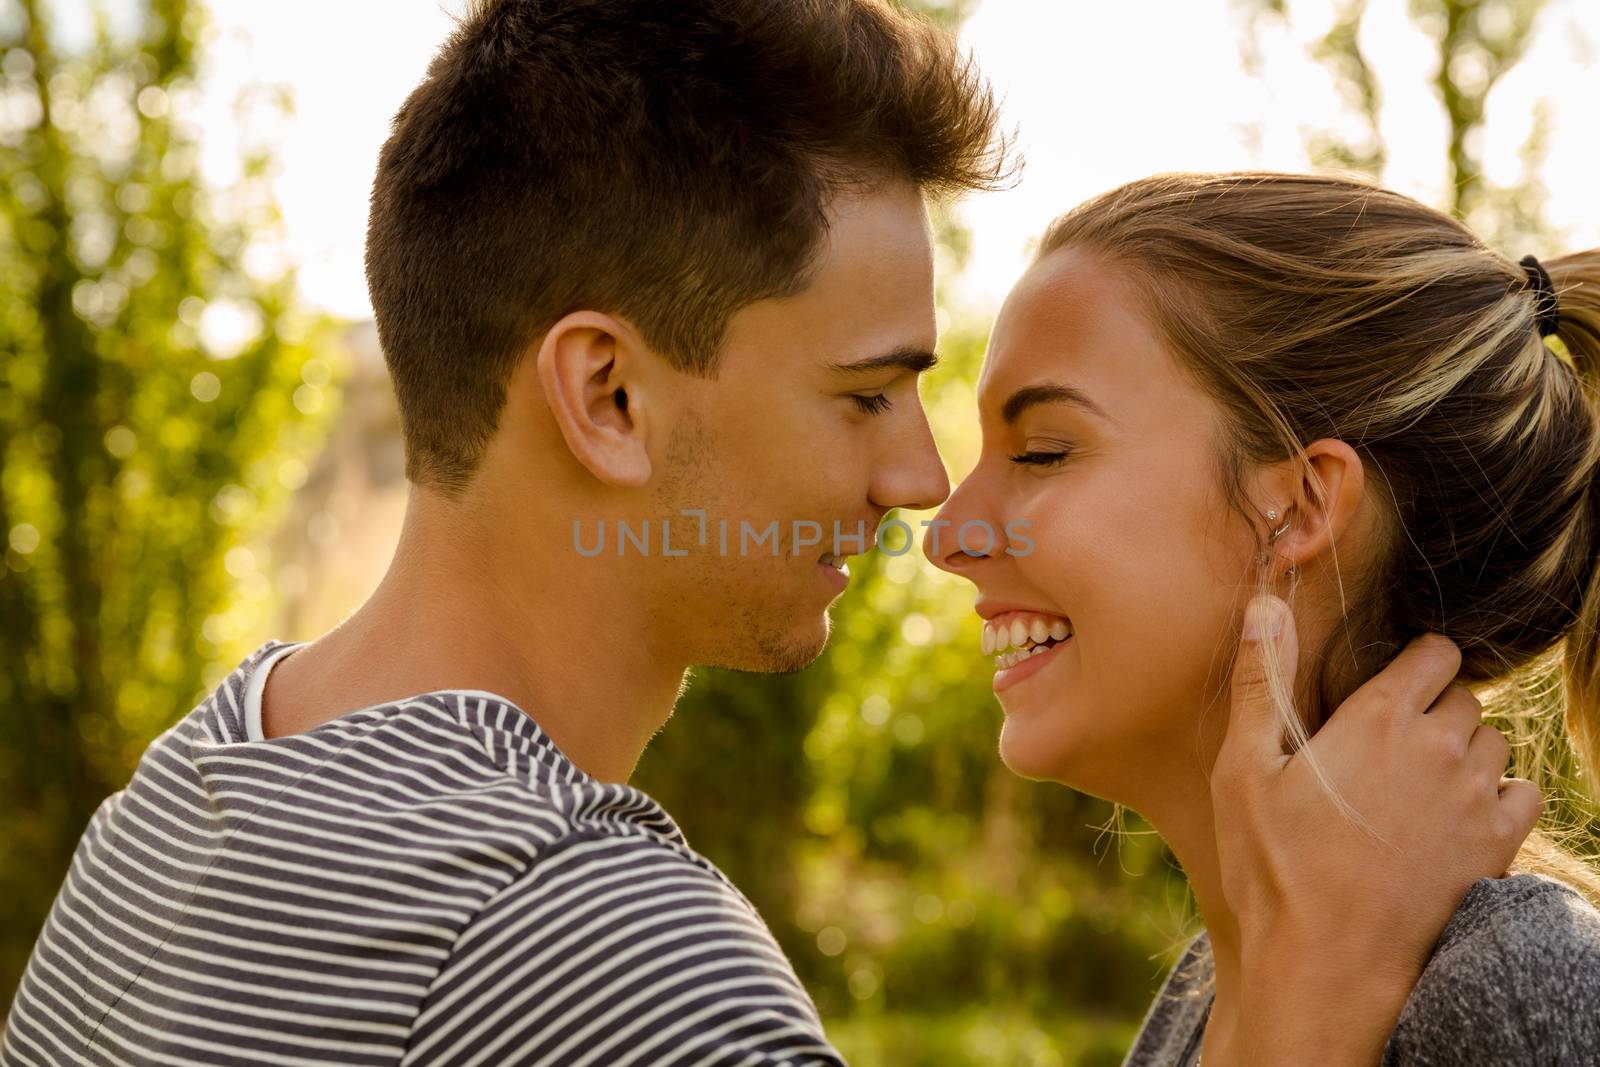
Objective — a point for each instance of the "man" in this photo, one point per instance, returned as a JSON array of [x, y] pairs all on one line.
[[653, 275]]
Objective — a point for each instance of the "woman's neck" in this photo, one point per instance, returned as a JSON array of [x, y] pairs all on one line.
[[1184, 819]]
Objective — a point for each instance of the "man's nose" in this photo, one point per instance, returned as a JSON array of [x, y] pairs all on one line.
[[913, 477]]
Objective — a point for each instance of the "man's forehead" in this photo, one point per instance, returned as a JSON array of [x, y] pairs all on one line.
[[869, 294]]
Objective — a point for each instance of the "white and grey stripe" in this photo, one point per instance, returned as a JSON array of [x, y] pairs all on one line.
[[423, 882]]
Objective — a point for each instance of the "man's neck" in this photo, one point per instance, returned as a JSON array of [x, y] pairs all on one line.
[[566, 648]]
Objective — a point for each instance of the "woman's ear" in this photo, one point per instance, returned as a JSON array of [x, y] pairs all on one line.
[[590, 366], [1326, 496]]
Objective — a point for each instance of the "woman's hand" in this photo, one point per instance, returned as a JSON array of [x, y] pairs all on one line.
[[1339, 909]]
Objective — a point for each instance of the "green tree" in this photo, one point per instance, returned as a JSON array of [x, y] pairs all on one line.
[[155, 377], [1477, 43]]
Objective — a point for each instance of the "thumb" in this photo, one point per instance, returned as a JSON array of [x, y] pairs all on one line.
[[1254, 727]]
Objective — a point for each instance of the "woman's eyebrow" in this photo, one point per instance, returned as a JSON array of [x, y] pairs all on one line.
[[1047, 393], [915, 360]]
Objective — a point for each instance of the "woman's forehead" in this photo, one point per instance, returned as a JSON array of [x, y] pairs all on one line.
[[1068, 314], [1075, 320]]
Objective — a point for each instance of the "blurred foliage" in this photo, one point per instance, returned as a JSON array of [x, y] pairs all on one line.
[[1477, 43], [157, 394], [160, 395], [1340, 51]]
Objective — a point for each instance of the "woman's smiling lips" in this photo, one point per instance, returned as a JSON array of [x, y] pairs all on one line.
[[1021, 639], [1007, 677]]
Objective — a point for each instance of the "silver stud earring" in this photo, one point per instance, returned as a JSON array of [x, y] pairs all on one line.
[[1272, 516]]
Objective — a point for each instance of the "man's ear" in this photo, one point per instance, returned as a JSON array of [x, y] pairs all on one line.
[[1318, 520], [591, 368]]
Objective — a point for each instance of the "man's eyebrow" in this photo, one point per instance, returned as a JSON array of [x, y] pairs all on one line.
[[915, 360], [1047, 393]]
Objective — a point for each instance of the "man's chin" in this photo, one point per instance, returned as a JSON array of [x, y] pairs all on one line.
[[775, 653]]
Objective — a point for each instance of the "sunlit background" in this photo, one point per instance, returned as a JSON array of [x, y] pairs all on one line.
[[200, 449]]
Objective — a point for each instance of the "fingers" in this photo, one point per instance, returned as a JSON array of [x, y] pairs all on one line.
[[1488, 752], [1254, 728], [1520, 803], [1414, 679], [1483, 752], [1481, 748], [1459, 712]]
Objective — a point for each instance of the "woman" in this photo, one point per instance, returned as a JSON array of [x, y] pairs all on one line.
[[1214, 386]]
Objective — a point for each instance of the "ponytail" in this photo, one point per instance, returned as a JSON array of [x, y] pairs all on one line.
[[1576, 281]]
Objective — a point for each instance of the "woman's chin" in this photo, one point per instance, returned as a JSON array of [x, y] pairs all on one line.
[[1032, 756]]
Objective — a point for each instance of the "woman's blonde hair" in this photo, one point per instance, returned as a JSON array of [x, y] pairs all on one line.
[[1321, 307]]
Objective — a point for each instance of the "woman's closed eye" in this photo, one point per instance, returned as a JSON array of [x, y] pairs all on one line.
[[1042, 457]]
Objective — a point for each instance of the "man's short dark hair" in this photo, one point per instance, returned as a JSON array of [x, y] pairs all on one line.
[[667, 161]]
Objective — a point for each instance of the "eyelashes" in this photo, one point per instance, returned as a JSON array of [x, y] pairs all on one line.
[[875, 404], [1041, 458]]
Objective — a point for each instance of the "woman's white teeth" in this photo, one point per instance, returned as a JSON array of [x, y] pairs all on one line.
[[1022, 635], [1011, 659]]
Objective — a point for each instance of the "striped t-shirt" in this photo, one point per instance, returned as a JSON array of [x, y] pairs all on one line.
[[427, 881]]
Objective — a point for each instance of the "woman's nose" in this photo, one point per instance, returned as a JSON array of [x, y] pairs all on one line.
[[955, 540]]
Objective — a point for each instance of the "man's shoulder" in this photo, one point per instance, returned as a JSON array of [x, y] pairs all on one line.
[[1526, 927], [1515, 978], [459, 770], [1518, 898], [617, 939], [606, 828]]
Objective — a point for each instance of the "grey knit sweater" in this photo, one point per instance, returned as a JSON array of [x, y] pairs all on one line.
[[1514, 981]]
